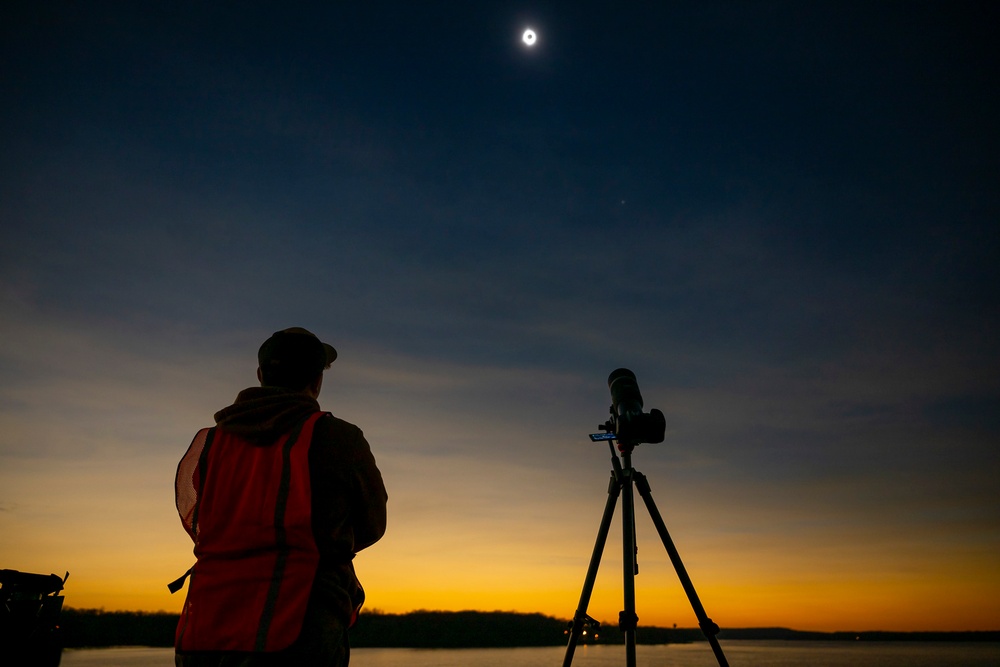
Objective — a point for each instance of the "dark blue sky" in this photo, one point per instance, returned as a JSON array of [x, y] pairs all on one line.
[[792, 154], [782, 216]]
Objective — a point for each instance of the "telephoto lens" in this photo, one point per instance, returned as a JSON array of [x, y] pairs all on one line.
[[625, 396]]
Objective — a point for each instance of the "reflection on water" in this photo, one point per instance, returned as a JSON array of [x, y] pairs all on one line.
[[739, 654], [129, 656]]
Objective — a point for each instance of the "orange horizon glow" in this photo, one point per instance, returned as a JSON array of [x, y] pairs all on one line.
[[398, 584], [513, 531]]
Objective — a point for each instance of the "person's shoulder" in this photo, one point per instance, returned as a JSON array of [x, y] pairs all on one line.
[[336, 427], [337, 442]]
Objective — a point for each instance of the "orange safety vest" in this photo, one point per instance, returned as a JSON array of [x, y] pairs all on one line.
[[248, 508]]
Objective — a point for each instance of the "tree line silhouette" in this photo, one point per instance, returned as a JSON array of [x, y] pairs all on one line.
[[461, 629]]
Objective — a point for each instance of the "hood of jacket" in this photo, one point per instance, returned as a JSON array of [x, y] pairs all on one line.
[[262, 414]]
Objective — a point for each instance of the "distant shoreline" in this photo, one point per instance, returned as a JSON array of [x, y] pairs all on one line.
[[92, 628]]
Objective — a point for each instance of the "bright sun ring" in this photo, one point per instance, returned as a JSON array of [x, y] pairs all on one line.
[[529, 37]]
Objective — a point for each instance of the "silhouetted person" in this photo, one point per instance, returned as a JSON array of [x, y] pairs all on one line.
[[278, 499]]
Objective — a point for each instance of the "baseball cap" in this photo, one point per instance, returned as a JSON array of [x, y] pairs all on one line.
[[294, 357]]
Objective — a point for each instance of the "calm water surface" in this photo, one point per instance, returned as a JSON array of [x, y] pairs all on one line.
[[739, 654]]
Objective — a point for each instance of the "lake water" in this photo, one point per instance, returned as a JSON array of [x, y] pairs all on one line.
[[738, 653]]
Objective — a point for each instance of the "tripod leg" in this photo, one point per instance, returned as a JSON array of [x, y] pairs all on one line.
[[707, 626], [580, 618], [627, 619]]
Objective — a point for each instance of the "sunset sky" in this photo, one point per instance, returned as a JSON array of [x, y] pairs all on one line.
[[784, 217]]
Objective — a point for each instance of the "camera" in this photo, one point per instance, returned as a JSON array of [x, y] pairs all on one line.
[[629, 423]]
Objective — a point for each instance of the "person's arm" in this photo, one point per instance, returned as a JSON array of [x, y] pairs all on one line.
[[368, 507], [349, 497]]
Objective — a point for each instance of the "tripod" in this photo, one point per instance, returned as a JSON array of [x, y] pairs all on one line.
[[623, 477]]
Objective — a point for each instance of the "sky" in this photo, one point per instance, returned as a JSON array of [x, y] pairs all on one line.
[[782, 216]]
